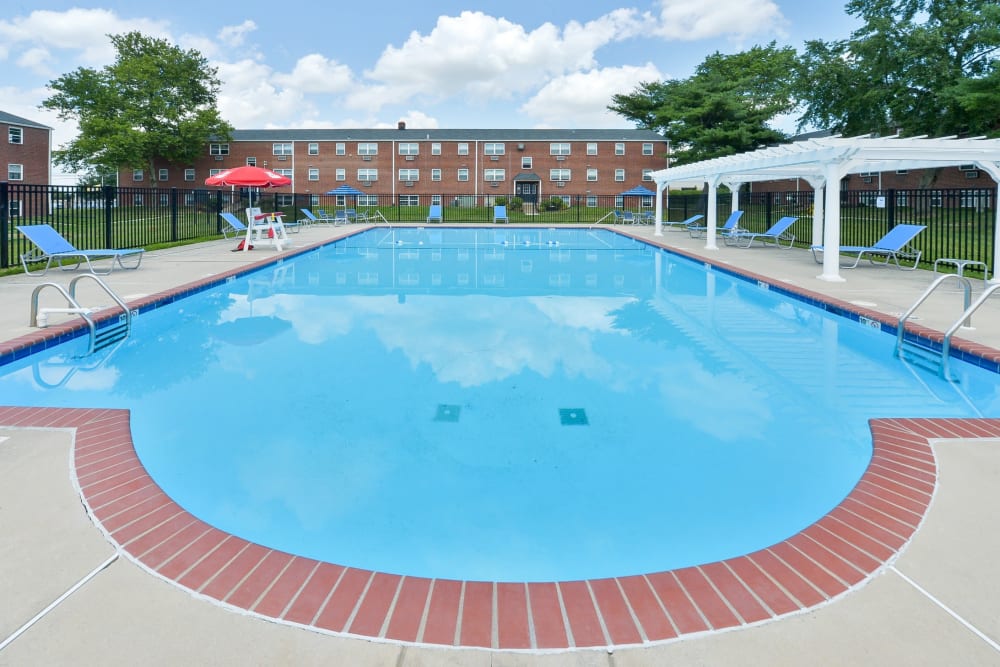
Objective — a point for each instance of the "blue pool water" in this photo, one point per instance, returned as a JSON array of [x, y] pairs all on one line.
[[501, 405]]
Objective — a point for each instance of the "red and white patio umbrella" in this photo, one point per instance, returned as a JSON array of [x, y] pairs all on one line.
[[249, 177]]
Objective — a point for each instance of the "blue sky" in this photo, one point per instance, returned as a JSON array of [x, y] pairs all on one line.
[[433, 64]]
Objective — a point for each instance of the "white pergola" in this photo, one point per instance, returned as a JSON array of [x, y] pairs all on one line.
[[823, 161]]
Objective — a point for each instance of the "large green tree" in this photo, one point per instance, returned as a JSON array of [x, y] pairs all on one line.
[[915, 66], [726, 107], [155, 102]]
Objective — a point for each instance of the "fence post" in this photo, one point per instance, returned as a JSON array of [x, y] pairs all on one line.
[[890, 207], [4, 225], [173, 214], [110, 192], [218, 211]]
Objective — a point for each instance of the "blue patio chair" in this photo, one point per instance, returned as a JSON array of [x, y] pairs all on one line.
[[435, 214], [892, 246], [777, 233], [51, 246], [500, 214], [731, 226]]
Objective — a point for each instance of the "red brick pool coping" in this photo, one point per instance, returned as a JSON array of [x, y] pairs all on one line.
[[829, 558]]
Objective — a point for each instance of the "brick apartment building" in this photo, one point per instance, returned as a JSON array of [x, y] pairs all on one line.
[[420, 167], [27, 152]]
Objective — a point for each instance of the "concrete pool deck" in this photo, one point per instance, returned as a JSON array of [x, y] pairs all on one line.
[[934, 604]]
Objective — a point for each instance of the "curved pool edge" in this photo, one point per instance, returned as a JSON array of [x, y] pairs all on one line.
[[835, 555]]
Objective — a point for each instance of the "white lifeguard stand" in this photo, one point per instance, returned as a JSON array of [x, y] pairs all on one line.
[[264, 228]]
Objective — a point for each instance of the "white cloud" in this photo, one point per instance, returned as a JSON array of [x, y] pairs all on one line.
[[585, 96], [316, 74], [697, 19], [486, 58], [235, 35], [83, 31]]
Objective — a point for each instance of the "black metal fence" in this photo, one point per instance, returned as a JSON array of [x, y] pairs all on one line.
[[960, 222]]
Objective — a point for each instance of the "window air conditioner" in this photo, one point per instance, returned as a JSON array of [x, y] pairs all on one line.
[[367, 184], [409, 157], [494, 184], [967, 167], [366, 158], [561, 184], [972, 174], [218, 158], [560, 158], [408, 184], [282, 158], [494, 158]]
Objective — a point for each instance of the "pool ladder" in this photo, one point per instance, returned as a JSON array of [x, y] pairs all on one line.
[[99, 338], [925, 354]]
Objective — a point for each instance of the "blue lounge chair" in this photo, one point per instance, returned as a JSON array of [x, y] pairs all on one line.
[[51, 246], [894, 245], [500, 214], [731, 226], [233, 225], [777, 233], [628, 218], [684, 224], [313, 218], [435, 214], [648, 218]]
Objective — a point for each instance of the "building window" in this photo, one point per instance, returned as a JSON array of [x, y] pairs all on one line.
[[15, 172], [14, 208], [525, 162], [137, 175], [367, 200], [495, 175], [591, 149], [188, 199], [559, 149], [435, 149], [284, 172], [367, 149], [313, 174], [138, 200], [340, 174], [409, 200], [463, 174], [162, 175], [591, 174], [620, 175], [281, 149], [165, 200], [285, 201], [340, 148], [189, 174], [493, 149], [409, 175], [647, 174], [367, 174], [213, 172], [463, 149], [15, 135], [218, 149], [591, 201], [314, 148], [647, 149], [559, 174], [435, 174], [409, 149], [251, 162]]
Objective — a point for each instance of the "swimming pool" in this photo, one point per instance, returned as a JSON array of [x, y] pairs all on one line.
[[546, 393]]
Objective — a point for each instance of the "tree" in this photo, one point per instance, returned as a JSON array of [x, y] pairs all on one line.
[[156, 102], [914, 67], [724, 108]]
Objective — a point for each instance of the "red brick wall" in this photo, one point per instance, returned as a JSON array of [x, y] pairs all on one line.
[[33, 153]]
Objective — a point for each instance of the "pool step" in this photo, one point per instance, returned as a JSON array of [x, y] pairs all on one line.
[[110, 335]]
